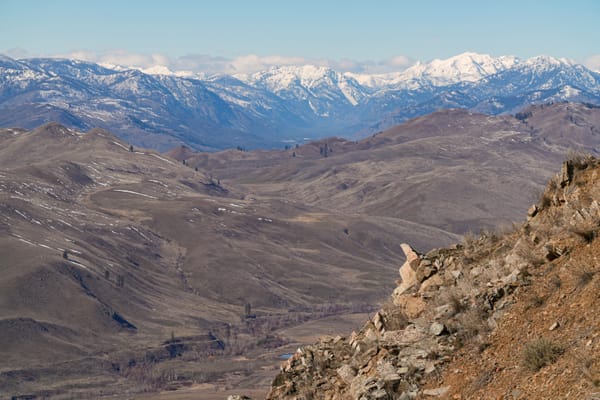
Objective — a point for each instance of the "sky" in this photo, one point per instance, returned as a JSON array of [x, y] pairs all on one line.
[[247, 35]]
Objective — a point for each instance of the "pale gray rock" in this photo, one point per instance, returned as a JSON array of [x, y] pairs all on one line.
[[346, 372], [436, 329], [407, 271], [436, 392]]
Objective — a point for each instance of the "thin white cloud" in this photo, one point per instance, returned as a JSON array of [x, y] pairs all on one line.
[[203, 64], [399, 62], [593, 62], [252, 62], [393, 64], [121, 58], [17, 53]]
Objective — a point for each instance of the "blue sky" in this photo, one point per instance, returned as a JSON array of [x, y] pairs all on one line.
[[347, 34]]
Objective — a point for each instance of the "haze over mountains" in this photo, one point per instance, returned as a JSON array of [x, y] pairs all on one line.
[[276, 107]]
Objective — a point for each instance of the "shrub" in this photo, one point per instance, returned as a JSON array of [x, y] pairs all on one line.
[[535, 301], [583, 276], [471, 323], [539, 353], [585, 363], [580, 160], [587, 233], [545, 200], [456, 303], [483, 379], [522, 116], [555, 282], [394, 317]]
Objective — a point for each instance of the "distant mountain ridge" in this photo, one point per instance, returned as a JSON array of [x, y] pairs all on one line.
[[277, 106]]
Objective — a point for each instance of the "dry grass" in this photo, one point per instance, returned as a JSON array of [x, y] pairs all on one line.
[[583, 275], [539, 353], [527, 251], [546, 196], [472, 323], [535, 301], [395, 319], [580, 160], [555, 282], [469, 327], [545, 200], [587, 233], [585, 363], [483, 379], [454, 299]]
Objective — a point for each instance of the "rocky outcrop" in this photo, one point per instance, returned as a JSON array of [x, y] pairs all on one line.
[[408, 339], [408, 270], [444, 300]]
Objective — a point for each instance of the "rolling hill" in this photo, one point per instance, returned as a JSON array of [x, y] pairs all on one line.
[[125, 270]]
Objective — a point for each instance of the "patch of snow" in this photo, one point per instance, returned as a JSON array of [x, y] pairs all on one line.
[[569, 91], [138, 232], [158, 182], [80, 264], [136, 193], [26, 241], [162, 158], [120, 145], [22, 215], [64, 222]]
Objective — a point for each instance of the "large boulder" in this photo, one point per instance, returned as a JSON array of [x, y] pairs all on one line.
[[408, 270]]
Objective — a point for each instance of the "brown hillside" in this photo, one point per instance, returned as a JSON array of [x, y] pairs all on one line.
[[126, 272], [502, 316], [559, 305], [452, 170], [106, 253]]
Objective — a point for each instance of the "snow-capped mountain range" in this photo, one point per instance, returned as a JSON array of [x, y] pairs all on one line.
[[159, 108]]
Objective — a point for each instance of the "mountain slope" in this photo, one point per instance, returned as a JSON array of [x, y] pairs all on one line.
[[451, 170], [506, 315], [107, 251], [279, 106], [466, 67]]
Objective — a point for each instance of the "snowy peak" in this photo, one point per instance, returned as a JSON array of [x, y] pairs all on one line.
[[466, 67], [278, 79], [548, 60], [307, 81]]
